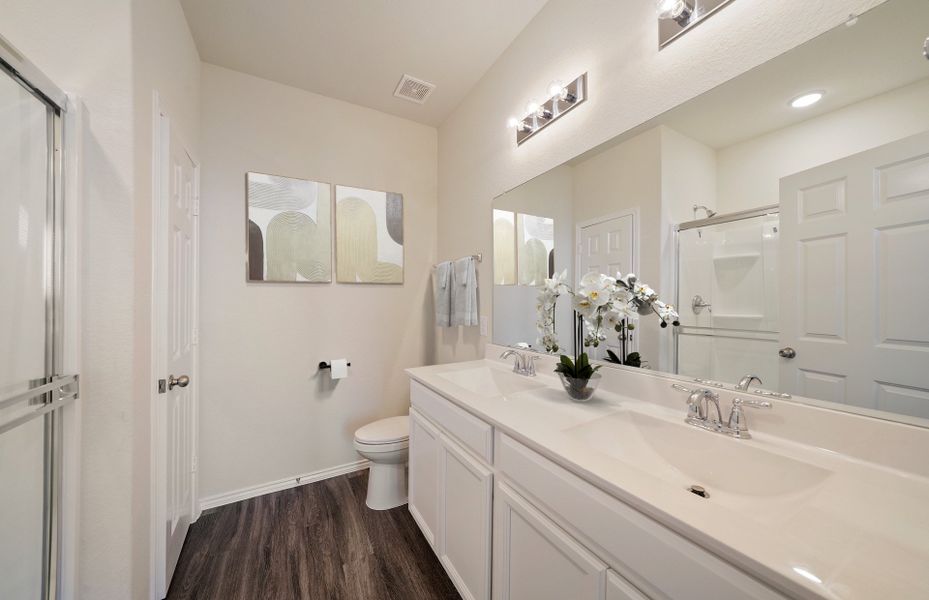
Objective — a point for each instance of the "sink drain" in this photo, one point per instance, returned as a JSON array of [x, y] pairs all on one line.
[[699, 490]]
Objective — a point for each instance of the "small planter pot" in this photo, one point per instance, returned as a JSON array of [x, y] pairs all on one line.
[[580, 390]]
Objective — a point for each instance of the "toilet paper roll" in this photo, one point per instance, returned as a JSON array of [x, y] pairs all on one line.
[[339, 368]]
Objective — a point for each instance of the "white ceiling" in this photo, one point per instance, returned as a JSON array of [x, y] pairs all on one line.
[[357, 50], [881, 52]]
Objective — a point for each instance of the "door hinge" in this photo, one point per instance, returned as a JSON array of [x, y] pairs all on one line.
[[195, 336], [193, 464], [196, 207], [162, 386]]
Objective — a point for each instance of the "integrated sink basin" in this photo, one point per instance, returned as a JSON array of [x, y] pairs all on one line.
[[685, 456], [491, 382]]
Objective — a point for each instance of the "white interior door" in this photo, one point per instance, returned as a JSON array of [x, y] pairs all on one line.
[[854, 242], [175, 293], [607, 246]]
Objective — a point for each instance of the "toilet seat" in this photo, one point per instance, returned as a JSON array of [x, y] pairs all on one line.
[[391, 431], [381, 448]]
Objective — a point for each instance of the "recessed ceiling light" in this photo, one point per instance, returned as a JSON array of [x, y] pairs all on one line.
[[806, 100]]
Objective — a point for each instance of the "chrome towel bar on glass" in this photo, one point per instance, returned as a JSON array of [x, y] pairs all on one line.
[[57, 384]]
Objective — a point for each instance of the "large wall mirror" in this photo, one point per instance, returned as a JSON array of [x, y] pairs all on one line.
[[785, 214]]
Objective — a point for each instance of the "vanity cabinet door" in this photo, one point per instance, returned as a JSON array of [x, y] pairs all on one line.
[[534, 559], [465, 514], [618, 588], [425, 449]]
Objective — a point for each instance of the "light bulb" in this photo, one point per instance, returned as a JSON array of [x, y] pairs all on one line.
[[555, 89], [532, 107], [806, 100], [666, 8], [512, 123], [679, 10]]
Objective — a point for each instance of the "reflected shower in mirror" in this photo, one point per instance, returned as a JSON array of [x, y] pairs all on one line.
[[804, 258]]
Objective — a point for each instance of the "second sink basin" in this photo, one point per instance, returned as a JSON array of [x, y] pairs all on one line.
[[685, 455], [487, 381]]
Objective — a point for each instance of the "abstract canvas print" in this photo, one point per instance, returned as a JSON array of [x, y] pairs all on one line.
[[369, 236], [289, 229]]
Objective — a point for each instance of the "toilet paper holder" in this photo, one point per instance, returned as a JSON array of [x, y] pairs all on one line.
[[324, 365]]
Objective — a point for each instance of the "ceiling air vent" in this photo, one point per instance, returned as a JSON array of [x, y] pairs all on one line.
[[414, 90]]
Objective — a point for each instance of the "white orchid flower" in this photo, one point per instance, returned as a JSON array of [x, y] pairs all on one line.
[[643, 291], [583, 305], [556, 283]]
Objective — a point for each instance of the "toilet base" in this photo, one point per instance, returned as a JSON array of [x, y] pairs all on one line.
[[386, 486]]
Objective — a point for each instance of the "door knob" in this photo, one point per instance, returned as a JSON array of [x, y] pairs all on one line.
[[181, 381], [787, 352]]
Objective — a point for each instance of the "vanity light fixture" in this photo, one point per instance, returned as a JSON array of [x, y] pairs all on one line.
[[808, 99], [677, 17], [538, 115]]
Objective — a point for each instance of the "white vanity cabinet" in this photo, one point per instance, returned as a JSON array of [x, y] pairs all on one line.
[[508, 523], [534, 559], [425, 446], [451, 488], [465, 520]]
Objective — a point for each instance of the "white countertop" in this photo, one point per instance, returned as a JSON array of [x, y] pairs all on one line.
[[862, 532]]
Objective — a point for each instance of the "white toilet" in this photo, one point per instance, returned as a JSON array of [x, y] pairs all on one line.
[[386, 443]]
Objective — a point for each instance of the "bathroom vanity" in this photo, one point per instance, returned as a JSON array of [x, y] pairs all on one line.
[[525, 495]]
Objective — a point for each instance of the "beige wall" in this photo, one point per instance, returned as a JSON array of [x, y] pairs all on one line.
[[112, 55], [630, 82], [266, 413]]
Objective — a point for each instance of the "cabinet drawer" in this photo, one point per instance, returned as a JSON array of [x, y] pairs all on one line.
[[468, 430], [654, 558]]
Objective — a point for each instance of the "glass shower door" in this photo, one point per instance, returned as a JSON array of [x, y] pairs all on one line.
[[727, 286], [30, 391]]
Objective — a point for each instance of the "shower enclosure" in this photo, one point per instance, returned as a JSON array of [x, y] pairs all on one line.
[[727, 296], [35, 392]]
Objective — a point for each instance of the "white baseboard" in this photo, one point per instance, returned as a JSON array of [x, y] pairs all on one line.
[[282, 484]]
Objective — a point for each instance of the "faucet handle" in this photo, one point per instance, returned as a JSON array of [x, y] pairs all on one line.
[[737, 424], [530, 364], [752, 403]]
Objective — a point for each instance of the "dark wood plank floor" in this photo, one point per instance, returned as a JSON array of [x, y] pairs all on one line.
[[317, 541]]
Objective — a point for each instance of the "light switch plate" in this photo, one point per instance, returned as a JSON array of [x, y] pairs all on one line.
[[484, 326]]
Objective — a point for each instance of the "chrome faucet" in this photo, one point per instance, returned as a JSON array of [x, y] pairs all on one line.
[[736, 426], [698, 409], [524, 363], [747, 381], [698, 412]]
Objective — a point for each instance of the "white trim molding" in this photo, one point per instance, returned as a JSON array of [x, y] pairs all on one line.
[[281, 484]]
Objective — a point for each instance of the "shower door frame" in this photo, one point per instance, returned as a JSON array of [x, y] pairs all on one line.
[[62, 415], [761, 211]]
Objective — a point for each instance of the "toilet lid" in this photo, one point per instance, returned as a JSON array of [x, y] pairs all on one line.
[[385, 431]]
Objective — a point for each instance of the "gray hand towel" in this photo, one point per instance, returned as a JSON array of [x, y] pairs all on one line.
[[442, 292], [464, 292]]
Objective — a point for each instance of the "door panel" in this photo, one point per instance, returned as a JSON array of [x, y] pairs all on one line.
[[853, 234], [424, 475], [535, 560], [618, 588], [180, 362], [465, 512]]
